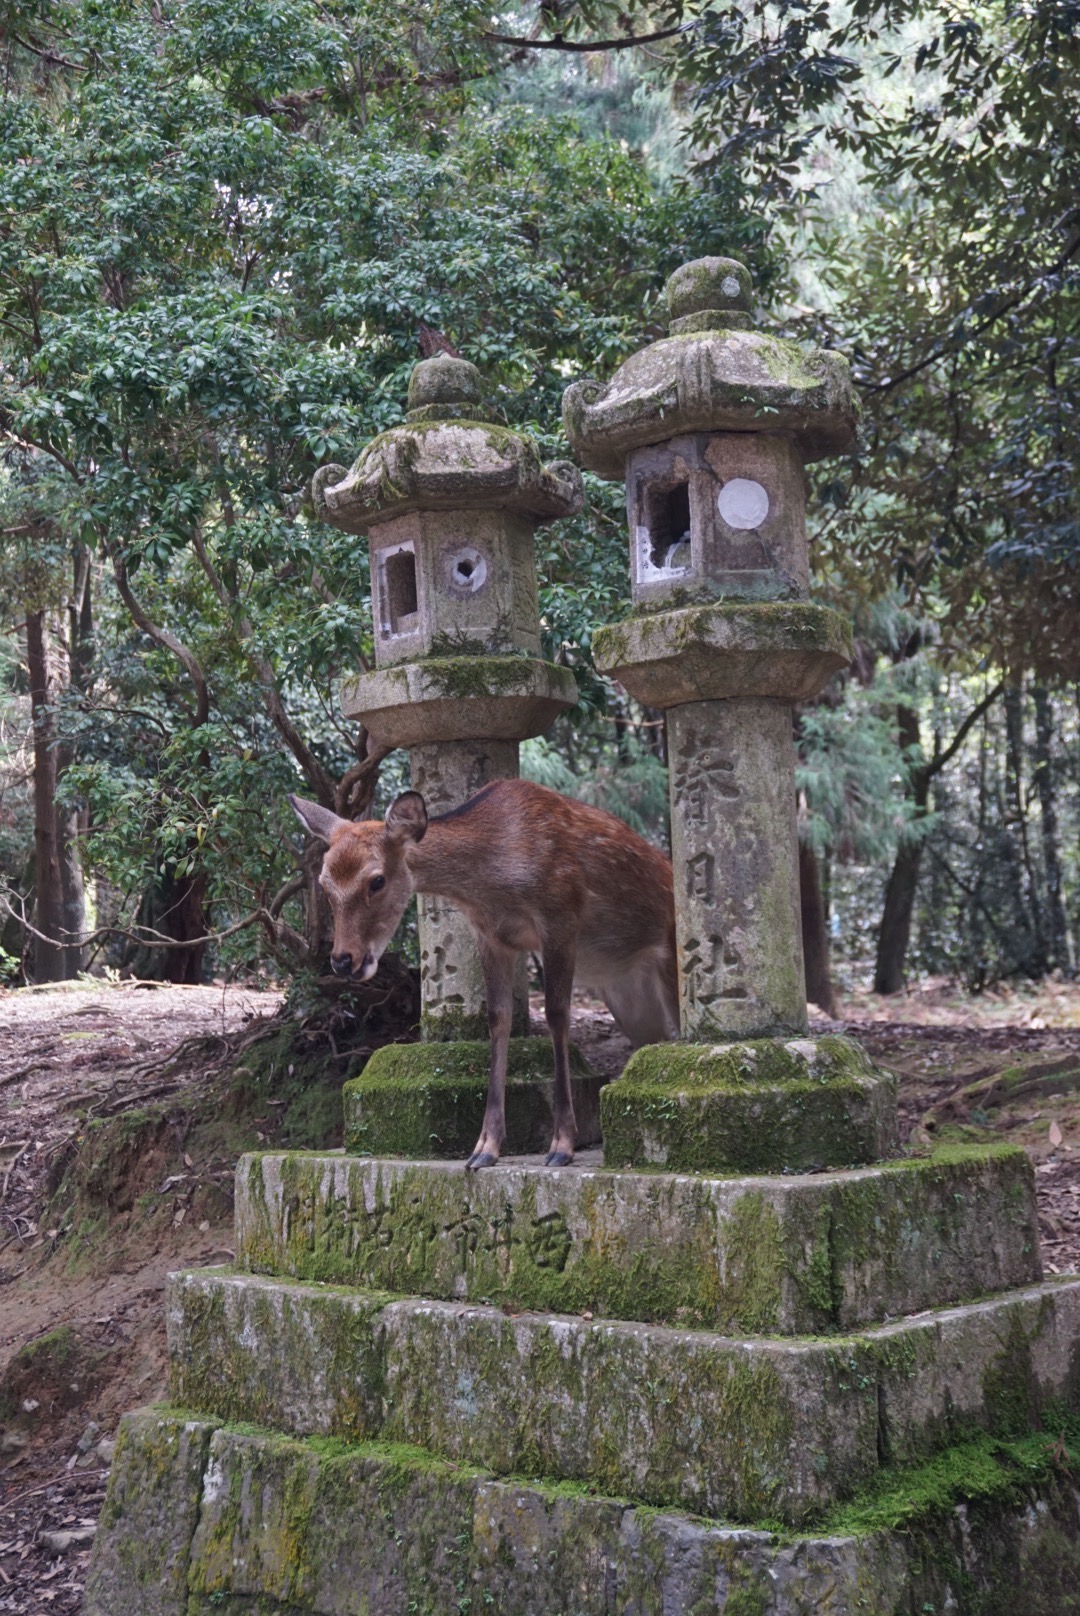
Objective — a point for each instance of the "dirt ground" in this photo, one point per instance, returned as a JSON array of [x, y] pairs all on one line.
[[82, 1340]]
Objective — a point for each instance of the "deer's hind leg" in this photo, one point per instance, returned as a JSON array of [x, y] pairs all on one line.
[[498, 963], [558, 986]]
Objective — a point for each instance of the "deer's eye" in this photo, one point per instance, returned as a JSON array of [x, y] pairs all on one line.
[[376, 883]]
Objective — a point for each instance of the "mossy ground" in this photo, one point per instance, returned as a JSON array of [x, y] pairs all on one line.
[[121, 1178]]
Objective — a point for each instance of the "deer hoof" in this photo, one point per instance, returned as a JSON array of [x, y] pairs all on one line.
[[558, 1158], [478, 1159]]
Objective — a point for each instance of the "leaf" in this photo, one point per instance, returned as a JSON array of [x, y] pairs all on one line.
[[1055, 1135]]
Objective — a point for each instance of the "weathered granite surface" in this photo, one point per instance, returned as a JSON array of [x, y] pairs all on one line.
[[270, 1525], [762, 1105], [452, 992], [767, 1427], [784, 1255], [143, 1542], [428, 1099], [784, 649], [712, 374], [460, 698]]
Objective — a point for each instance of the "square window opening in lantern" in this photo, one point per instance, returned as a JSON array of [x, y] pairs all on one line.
[[400, 601], [667, 517]]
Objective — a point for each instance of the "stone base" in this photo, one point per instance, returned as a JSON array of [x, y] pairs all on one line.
[[428, 1099], [204, 1520], [778, 648], [765, 1105], [786, 1256], [460, 698], [751, 1428]]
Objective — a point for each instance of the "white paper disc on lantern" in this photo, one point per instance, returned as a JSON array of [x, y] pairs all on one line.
[[743, 503]]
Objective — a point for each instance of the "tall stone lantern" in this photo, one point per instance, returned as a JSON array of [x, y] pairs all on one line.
[[450, 501], [711, 428]]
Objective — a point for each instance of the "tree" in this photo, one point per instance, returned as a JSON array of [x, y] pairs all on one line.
[[220, 231]]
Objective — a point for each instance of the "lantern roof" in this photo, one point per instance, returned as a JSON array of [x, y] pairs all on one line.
[[714, 373], [448, 455]]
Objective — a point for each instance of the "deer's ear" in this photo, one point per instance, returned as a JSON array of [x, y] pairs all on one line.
[[406, 818], [318, 820]]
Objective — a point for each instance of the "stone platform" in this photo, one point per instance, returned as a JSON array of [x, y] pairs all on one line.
[[770, 1428], [796, 1254], [560, 1392], [207, 1519], [428, 1099]]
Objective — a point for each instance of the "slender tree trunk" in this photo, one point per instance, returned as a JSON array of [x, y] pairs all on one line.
[[894, 934], [1035, 964], [1057, 929], [54, 912], [815, 932]]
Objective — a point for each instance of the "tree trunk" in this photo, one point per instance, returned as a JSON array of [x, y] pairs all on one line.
[[894, 934], [58, 907], [815, 933], [1032, 917], [1057, 928]]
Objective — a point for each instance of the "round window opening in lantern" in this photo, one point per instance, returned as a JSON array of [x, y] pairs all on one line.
[[743, 503], [468, 570]]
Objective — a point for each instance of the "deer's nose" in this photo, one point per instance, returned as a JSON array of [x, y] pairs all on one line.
[[341, 964]]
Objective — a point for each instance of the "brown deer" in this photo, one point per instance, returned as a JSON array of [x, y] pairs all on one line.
[[532, 870]]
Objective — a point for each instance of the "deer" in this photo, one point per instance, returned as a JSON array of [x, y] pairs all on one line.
[[531, 870]]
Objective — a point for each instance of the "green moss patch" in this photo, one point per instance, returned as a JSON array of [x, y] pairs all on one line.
[[766, 1426], [793, 1255], [236, 1518], [759, 1106], [428, 1100]]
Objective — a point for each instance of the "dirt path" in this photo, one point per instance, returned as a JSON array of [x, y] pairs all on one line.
[[66, 1056], [96, 1330]]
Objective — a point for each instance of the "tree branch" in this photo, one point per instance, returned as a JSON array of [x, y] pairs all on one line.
[[941, 759], [560, 44], [949, 344], [162, 637]]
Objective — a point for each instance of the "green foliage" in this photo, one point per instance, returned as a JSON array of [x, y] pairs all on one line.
[[222, 231]]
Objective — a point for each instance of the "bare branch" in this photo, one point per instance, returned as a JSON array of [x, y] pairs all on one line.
[[558, 42], [947, 345], [940, 759], [162, 637]]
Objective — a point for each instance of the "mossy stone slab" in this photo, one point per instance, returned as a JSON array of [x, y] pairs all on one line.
[[764, 1105], [140, 1560], [428, 1099], [460, 698], [786, 649], [796, 1254], [753, 1427], [319, 1529]]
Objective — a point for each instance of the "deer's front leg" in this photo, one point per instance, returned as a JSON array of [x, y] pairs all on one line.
[[558, 986], [498, 964]]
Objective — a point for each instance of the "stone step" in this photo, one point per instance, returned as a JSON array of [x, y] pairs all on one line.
[[789, 1255], [204, 1520], [428, 1099], [751, 1428], [762, 1105]]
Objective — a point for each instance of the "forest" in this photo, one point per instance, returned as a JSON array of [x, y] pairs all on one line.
[[227, 233]]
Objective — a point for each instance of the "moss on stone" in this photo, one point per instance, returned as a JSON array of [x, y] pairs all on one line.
[[909, 1234], [472, 676], [428, 1099], [757, 1106]]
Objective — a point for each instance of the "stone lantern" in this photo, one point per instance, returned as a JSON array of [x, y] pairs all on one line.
[[711, 428], [450, 501]]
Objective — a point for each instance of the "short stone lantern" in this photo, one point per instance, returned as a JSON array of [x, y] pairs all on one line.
[[450, 501], [711, 428]]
